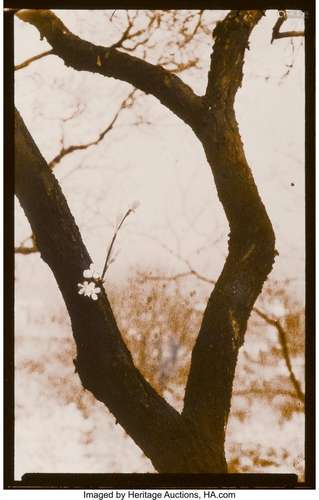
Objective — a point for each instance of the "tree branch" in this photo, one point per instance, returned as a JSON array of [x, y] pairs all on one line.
[[251, 239], [27, 250], [282, 336], [27, 62], [188, 37], [99, 343], [80, 147], [108, 61], [127, 34], [24, 250], [277, 34], [104, 364]]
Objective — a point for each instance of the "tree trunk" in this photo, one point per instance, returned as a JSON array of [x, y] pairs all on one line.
[[104, 364], [251, 238]]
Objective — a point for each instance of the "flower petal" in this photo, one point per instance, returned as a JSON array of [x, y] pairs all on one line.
[[81, 292], [94, 296], [135, 205], [87, 273], [97, 289]]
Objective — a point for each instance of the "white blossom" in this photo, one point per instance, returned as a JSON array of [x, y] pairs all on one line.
[[135, 205], [91, 273], [88, 289]]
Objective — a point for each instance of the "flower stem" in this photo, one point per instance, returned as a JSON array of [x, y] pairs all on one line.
[[108, 255]]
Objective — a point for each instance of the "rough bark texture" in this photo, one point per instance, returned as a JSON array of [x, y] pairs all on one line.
[[193, 441], [251, 238], [104, 364]]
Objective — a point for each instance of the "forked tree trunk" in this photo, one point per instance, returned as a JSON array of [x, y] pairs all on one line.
[[194, 440]]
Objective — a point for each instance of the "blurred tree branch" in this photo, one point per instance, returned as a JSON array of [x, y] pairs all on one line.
[[282, 337], [282, 333]]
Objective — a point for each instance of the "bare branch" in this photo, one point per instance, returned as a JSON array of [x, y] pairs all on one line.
[[127, 34], [24, 249], [108, 61], [287, 34], [111, 18], [27, 62], [189, 36], [138, 43], [267, 392], [154, 277], [282, 336], [175, 67], [127, 102], [174, 277], [277, 34], [80, 147]]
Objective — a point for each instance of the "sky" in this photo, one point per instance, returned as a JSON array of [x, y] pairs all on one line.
[[153, 157]]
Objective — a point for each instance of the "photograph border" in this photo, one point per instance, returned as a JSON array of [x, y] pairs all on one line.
[[144, 481]]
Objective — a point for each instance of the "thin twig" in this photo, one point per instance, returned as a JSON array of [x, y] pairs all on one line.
[[174, 277], [27, 250], [111, 18], [269, 392], [276, 33], [282, 336], [190, 36], [108, 255], [79, 147], [287, 34], [29, 61], [127, 35]]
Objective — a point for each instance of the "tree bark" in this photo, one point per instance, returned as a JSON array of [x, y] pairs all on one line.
[[111, 62], [251, 238], [104, 364], [194, 440]]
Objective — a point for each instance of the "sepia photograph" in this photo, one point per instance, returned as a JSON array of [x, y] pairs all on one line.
[[162, 202]]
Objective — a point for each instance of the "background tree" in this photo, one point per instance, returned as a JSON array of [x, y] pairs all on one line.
[[112, 377]]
